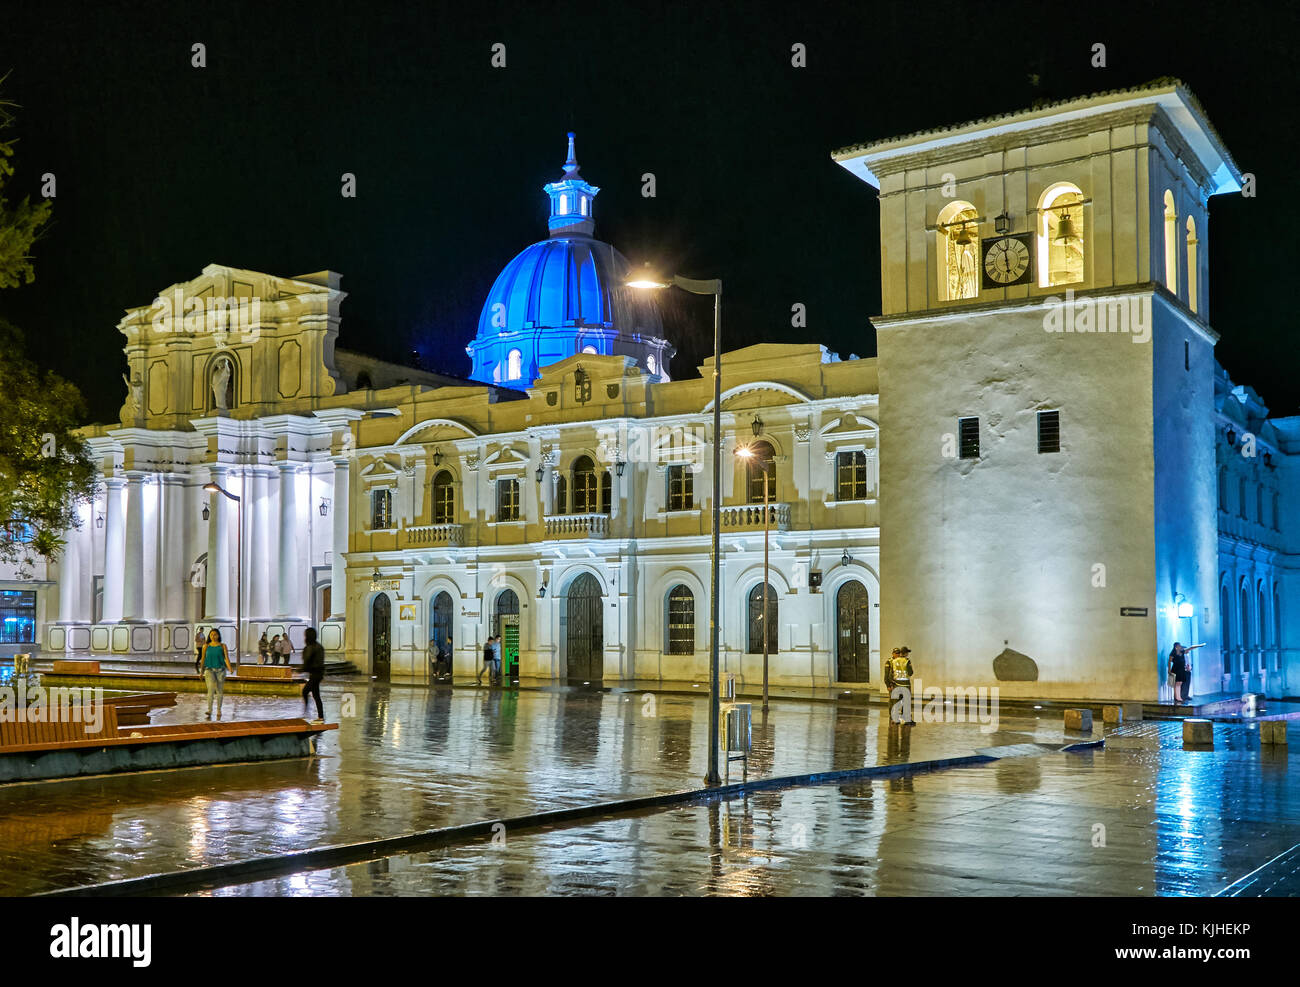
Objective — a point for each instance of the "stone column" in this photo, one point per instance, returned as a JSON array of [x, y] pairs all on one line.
[[133, 574], [70, 577], [341, 523], [220, 599], [261, 547], [114, 548], [287, 564]]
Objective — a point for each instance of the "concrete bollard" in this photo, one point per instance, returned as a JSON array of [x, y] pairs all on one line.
[[1112, 714], [1078, 719], [1198, 733], [1272, 732], [1132, 712]]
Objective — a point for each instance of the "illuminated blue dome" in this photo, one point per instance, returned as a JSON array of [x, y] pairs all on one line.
[[565, 295]]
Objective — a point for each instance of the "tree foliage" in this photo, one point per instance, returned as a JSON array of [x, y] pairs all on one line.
[[45, 469]]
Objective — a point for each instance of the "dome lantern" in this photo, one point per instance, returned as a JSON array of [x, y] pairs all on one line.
[[572, 200]]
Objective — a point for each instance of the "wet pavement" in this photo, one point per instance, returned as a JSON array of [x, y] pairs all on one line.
[[412, 759], [1131, 822]]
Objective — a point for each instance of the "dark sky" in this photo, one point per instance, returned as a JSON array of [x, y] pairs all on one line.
[[163, 168]]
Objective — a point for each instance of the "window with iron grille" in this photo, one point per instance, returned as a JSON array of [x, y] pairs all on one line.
[[761, 469], [1049, 431], [17, 616], [507, 500], [584, 486], [681, 487], [381, 509], [968, 431], [759, 621], [851, 476], [444, 499], [681, 621], [606, 491]]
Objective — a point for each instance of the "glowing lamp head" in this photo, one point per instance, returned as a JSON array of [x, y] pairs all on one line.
[[647, 279], [1185, 609]]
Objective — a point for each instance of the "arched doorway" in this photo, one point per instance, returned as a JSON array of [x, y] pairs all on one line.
[[585, 643], [853, 633], [440, 640], [505, 625], [381, 614]]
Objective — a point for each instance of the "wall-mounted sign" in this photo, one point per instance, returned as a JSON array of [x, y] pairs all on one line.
[[1132, 611], [406, 611], [385, 585]]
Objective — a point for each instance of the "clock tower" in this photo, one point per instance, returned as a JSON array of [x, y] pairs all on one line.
[[1047, 471]]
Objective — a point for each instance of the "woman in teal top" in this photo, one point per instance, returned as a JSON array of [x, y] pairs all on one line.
[[216, 662]]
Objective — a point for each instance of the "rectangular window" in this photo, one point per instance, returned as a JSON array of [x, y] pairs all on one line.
[[1187, 355], [851, 476], [681, 487], [381, 510], [17, 616], [1241, 497], [1049, 431], [507, 500], [968, 430]]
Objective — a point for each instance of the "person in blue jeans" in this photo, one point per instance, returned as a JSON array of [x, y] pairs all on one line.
[[216, 663]]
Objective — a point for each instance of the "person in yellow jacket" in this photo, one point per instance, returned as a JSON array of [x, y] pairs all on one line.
[[898, 675]]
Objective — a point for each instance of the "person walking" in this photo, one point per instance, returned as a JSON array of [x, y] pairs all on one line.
[[216, 663], [200, 639], [263, 649], [313, 663]]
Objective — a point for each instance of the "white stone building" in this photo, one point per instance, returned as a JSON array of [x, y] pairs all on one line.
[[1024, 503]]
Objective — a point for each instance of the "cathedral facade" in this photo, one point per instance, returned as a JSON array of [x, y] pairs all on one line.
[[1039, 483]]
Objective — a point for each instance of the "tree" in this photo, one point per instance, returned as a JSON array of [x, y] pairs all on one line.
[[45, 470]]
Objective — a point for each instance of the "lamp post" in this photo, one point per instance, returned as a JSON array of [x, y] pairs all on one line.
[[239, 564], [714, 288], [748, 453]]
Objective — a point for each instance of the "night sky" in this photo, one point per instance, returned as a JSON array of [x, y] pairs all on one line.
[[163, 168]]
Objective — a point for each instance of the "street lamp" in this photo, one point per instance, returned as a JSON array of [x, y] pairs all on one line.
[[239, 562], [649, 282], [747, 453]]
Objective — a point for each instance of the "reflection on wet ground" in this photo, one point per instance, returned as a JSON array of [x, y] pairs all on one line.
[[1092, 823], [413, 759]]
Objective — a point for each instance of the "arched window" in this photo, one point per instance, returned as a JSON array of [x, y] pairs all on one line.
[[761, 463], [1225, 623], [589, 349], [561, 504], [959, 248], [1060, 235], [1241, 499], [1223, 489], [1259, 504], [514, 365], [1263, 624], [584, 486], [681, 621], [1245, 620], [1191, 265], [1277, 629], [1171, 243], [507, 605], [363, 381], [381, 509], [760, 621], [444, 498]]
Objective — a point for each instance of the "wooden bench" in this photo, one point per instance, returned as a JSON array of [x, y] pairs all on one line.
[[265, 672], [64, 666], [34, 742], [20, 734]]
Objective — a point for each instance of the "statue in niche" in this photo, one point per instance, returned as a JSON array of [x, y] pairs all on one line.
[[222, 390], [134, 405]]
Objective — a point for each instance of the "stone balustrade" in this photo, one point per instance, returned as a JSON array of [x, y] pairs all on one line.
[[577, 526], [433, 535], [749, 517]]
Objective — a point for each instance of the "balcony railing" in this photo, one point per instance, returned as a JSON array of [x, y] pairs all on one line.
[[577, 526], [750, 517], [433, 536]]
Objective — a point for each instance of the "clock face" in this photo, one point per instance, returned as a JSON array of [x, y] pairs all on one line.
[[1006, 260]]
